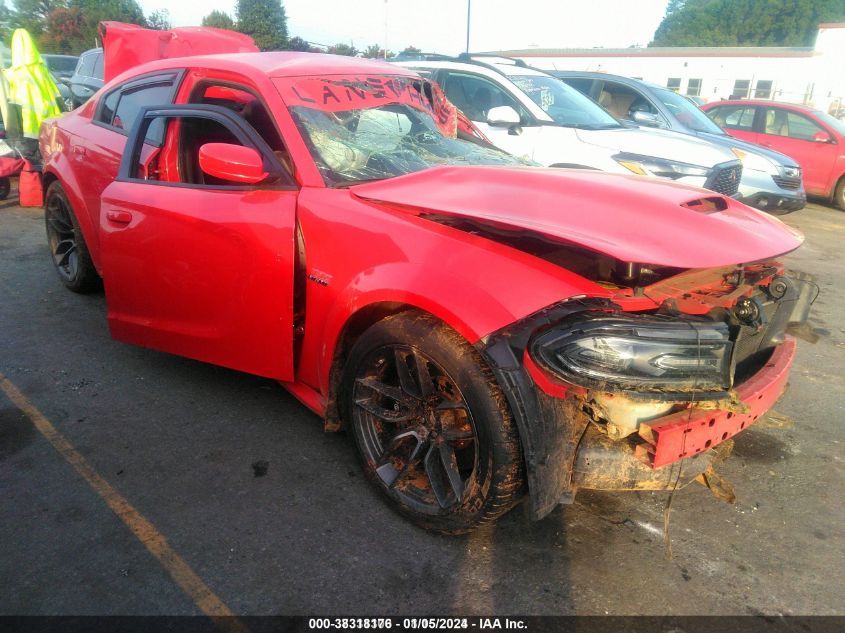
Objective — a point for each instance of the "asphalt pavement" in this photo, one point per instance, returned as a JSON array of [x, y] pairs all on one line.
[[238, 481]]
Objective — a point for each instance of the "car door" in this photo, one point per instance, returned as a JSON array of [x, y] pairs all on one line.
[[97, 150], [803, 140], [475, 95], [736, 120], [195, 265]]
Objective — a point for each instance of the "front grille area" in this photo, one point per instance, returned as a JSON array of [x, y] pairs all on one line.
[[787, 183], [753, 344], [725, 178]]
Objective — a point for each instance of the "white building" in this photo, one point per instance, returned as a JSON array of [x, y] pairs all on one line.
[[808, 75]]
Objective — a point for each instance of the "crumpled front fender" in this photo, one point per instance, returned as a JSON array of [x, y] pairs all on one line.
[[550, 429]]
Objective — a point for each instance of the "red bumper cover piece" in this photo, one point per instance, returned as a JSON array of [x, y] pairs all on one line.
[[689, 432]]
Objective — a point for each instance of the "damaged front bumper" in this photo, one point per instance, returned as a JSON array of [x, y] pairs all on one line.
[[599, 438], [674, 449]]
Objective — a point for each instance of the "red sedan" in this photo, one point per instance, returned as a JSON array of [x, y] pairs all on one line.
[[814, 139], [486, 331]]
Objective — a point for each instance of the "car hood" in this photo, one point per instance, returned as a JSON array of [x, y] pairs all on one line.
[[631, 218], [658, 143], [732, 141]]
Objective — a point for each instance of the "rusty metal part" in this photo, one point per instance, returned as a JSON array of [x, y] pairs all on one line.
[[622, 415], [687, 433], [720, 487], [606, 464], [700, 291]]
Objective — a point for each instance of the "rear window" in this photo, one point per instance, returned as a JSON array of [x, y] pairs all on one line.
[[61, 64], [86, 65]]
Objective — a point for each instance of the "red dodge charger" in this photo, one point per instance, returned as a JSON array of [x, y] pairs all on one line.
[[486, 330]]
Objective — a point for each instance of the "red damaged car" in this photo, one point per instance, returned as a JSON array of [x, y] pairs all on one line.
[[485, 330]]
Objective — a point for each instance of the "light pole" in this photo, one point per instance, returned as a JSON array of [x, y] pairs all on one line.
[[385, 30], [469, 12]]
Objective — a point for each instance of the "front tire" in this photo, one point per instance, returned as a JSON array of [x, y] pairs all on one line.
[[431, 424], [71, 258]]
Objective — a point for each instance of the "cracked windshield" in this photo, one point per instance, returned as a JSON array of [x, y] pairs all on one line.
[[398, 127]]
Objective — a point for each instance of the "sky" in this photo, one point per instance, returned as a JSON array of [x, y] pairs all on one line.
[[440, 25]]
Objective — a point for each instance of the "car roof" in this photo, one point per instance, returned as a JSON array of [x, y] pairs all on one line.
[[501, 65], [276, 64], [591, 74]]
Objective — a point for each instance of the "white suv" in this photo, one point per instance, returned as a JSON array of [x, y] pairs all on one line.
[[529, 113]]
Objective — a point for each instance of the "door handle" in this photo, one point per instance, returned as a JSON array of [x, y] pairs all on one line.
[[119, 217], [79, 151]]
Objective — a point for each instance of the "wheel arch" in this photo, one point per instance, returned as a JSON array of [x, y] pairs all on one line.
[[343, 335], [74, 193]]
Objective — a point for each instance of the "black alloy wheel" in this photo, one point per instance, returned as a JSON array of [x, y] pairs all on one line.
[[67, 245], [431, 424]]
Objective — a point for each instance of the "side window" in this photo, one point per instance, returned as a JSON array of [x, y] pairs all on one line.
[[97, 72], [476, 96], [622, 101], [247, 104], [178, 161], [581, 85], [733, 117], [785, 123], [119, 108], [86, 65]]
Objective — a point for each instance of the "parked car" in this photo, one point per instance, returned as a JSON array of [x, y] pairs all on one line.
[[813, 138], [484, 329], [771, 181], [87, 78], [529, 113], [62, 68]]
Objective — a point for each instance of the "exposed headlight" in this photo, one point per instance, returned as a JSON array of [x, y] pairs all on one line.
[[662, 168], [639, 353], [754, 161]]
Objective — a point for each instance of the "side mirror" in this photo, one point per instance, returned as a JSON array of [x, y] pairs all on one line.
[[232, 162], [648, 119], [821, 137], [502, 116]]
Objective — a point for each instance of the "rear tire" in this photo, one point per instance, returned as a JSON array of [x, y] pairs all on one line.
[[5, 188], [71, 258], [839, 194], [432, 427]]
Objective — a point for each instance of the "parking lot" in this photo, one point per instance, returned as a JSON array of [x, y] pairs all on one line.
[[236, 480]]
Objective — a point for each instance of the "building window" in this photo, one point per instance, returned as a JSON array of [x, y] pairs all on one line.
[[741, 88], [763, 90], [674, 83], [694, 87]]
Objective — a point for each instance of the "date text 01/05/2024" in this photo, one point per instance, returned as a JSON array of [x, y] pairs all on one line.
[[416, 623]]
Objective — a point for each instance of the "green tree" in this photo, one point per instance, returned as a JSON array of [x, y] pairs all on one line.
[[96, 11], [32, 14], [745, 22], [5, 20], [374, 51], [343, 49], [63, 32], [265, 22], [298, 44], [219, 20], [410, 50], [159, 20]]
